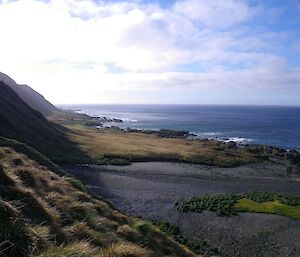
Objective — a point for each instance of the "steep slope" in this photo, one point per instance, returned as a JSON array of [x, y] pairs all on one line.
[[44, 214], [35, 100], [19, 121]]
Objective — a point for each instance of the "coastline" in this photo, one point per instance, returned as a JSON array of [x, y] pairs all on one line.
[[263, 125], [131, 125], [114, 145]]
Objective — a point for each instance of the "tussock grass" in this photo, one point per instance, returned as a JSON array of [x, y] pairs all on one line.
[[75, 182], [124, 250], [16, 238], [77, 249], [47, 214], [127, 232], [84, 249]]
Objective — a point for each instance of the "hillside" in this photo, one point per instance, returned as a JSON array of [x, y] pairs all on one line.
[[29, 96], [44, 214], [19, 121]]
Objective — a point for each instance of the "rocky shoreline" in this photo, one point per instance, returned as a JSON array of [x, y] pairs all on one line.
[[265, 152]]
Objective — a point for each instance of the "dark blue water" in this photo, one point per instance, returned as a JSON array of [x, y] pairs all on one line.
[[276, 126]]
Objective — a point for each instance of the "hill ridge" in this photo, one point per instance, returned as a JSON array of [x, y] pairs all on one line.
[[34, 99], [20, 122]]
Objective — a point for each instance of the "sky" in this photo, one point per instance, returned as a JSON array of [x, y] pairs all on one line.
[[154, 51]]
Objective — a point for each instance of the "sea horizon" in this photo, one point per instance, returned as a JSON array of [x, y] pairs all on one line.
[[60, 105], [276, 126]]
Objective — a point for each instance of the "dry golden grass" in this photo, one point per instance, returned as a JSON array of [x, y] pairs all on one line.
[[139, 146], [64, 220], [124, 250], [84, 249], [77, 249], [126, 232]]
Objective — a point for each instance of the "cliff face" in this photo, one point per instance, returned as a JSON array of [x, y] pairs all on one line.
[[35, 100]]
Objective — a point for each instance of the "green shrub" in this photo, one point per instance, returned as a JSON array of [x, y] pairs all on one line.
[[119, 161], [225, 204], [144, 227]]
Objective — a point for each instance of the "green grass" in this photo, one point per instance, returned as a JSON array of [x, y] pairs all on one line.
[[231, 204], [275, 207]]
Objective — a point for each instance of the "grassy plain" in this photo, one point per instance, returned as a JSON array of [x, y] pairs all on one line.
[[114, 143]]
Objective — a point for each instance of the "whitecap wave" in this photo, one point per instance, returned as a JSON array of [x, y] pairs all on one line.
[[207, 134], [220, 137], [242, 140], [129, 120], [211, 133]]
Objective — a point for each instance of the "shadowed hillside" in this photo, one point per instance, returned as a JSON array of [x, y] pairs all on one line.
[[19, 121], [29, 96]]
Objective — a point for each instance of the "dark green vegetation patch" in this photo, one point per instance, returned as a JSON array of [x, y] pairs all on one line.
[[226, 204]]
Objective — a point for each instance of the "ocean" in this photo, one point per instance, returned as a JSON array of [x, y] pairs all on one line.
[[271, 125]]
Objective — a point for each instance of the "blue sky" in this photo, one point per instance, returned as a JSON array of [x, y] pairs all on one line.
[[185, 51]]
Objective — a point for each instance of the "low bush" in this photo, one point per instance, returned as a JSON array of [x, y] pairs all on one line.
[[111, 160], [119, 161], [225, 204]]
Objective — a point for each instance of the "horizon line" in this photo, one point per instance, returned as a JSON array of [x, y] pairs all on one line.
[[183, 104]]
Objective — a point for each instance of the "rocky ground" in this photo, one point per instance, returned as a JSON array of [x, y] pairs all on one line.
[[150, 189]]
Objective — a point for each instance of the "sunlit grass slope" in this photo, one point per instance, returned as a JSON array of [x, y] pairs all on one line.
[[44, 213]]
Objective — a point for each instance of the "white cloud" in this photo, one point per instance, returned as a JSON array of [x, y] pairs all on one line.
[[217, 13], [68, 46]]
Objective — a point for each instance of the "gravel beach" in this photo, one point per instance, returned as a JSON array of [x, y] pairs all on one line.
[[149, 190]]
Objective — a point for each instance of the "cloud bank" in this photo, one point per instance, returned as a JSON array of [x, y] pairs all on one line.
[[68, 46]]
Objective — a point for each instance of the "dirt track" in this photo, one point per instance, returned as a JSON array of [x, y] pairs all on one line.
[[149, 190]]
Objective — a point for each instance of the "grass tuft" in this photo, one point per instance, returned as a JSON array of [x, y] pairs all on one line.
[[75, 183], [77, 249], [16, 237], [124, 250]]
